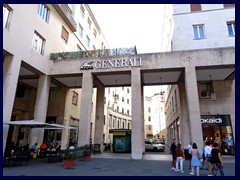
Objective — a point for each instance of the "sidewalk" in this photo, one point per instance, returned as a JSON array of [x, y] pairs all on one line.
[[113, 164]]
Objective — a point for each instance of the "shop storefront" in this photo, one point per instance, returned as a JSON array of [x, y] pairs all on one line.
[[218, 128]]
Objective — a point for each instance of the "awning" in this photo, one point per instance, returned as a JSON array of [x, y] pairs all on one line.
[[37, 124]]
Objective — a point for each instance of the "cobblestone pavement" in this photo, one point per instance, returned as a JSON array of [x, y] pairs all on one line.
[[112, 164]]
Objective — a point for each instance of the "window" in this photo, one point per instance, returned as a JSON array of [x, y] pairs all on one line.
[[80, 30], [82, 10], [228, 5], [95, 33], [78, 48], [6, 16], [127, 101], [94, 48], [231, 28], [52, 95], [127, 90], [198, 31], [149, 118], [123, 125], [122, 110], [22, 92], [127, 112], [89, 23], [43, 12], [122, 99], [88, 41], [149, 109], [205, 89], [118, 124], [38, 43], [149, 127], [175, 94], [64, 35], [75, 98], [104, 120], [195, 7], [128, 125]]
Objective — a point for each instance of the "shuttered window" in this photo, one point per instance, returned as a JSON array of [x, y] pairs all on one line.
[[228, 5], [64, 35], [195, 7]]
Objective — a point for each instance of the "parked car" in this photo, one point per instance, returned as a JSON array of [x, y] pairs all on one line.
[[154, 146]]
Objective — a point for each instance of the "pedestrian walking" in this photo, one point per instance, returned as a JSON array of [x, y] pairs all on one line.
[[180, 157], [173, 152], [208, 150], [195, 162], [216, 160], [203, 155], [189, 147]]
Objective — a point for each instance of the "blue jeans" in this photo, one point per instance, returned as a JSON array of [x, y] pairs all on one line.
[[216, 167]]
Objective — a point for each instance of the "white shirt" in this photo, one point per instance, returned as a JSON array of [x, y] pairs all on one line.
[[208, 150], [189, 148]]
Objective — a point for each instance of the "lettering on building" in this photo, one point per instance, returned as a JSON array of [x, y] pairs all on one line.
[[114, 63], [212, 120]]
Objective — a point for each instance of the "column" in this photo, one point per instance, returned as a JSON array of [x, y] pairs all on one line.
[[41, 105], [85, 109], [184, 118], [193, 106], [65, 98], [99, 119], [137, 115], [11, 68]]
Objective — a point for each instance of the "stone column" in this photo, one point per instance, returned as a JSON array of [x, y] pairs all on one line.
[[99, 119], [137, 115], [40, 111], [85, 109], [11, 68], [65, 98], [184, 118], [193, 106]]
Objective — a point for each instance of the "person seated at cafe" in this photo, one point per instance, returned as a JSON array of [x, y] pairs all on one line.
[[34, 147], [58, 147], [43, 148]]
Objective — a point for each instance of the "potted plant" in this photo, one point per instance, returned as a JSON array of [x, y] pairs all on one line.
[[85, 152], [70, 156]]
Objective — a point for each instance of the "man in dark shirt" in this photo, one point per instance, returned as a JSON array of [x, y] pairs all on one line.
[[174, 155], [216, 160]]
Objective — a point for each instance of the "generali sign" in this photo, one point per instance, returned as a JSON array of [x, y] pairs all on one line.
[[114, 63]]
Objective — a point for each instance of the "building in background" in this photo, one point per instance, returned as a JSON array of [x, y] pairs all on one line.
[[30, 33], [200, 26], [154, 116]]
